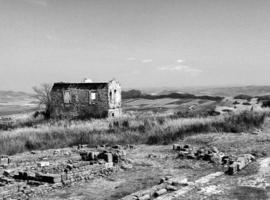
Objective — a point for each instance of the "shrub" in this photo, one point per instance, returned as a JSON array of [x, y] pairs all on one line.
[[266, 103], [235, 103]]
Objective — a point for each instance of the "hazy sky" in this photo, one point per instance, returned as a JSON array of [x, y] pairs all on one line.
[[142, 43]]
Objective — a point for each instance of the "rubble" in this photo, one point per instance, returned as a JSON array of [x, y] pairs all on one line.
[[232, 164], [44, 171], [166, 185], [168, 190]]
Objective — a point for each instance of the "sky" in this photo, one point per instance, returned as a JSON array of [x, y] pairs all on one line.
[[141, 43]]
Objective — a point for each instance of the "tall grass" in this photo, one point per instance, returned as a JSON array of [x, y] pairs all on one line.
[[126, 130]]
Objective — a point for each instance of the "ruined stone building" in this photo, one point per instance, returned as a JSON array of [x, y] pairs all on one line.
[[85, 100]]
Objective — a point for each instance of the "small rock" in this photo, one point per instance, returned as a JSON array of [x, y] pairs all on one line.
[[43, 164], [160, 192], [145, 197], [126, 166], [171, 188]]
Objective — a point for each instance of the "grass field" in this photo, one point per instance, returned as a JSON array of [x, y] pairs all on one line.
[[127, 130]]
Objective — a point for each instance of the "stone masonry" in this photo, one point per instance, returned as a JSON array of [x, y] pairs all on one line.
[[231, 164], [86, 100], [40, 172]]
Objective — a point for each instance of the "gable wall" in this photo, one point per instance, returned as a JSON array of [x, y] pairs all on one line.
[[114, 95]]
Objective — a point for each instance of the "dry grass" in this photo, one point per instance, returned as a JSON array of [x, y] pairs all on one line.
[[153, 129]]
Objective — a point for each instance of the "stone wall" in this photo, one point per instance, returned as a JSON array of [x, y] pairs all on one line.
[[115, 99], [23, 184], [114, 92], [22, 179], [79, 105], [231, 164]]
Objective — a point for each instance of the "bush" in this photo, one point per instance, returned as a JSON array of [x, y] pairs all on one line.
[[235, 103], [266, 103]]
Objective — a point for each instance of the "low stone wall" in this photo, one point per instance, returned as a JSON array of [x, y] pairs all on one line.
[[171, 188], [167, 185], [36, 178], [232, 164]]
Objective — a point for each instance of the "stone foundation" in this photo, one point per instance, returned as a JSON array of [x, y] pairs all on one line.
[[232, 164], [22, 179]]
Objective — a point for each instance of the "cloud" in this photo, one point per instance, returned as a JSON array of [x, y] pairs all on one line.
[[42, 3], [181, 68], [180, 61], [146, 60]]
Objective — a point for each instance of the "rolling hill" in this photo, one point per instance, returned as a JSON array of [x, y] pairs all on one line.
[[12, 102]]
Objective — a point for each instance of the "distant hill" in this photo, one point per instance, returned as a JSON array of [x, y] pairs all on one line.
[[131, 94], [213, 91], [12, 96], [12, 102], [138, 94], [234, 91]]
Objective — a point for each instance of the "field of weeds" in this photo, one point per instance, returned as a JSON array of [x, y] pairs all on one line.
[[131, 129]]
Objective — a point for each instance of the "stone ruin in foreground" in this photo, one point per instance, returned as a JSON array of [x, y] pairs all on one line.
[[175, 187], [40, 172], [230, 163]]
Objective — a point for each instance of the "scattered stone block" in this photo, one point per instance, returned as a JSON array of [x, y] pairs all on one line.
[[117, 147], [145, 197], [171, 188], [106, 156], [214, 149], [183, 154], [126, 166], [93, 155], [249, 157], [176, 147], [4, 160], [191, 155], [181, 181], [160, 192], [63, 177], [130, 146], [43, 164], [218, 158], [8, 172], [241, 162], [22, 175], [108, 165], [48, 178], [69, 167], [233, 168], [84, 155]]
